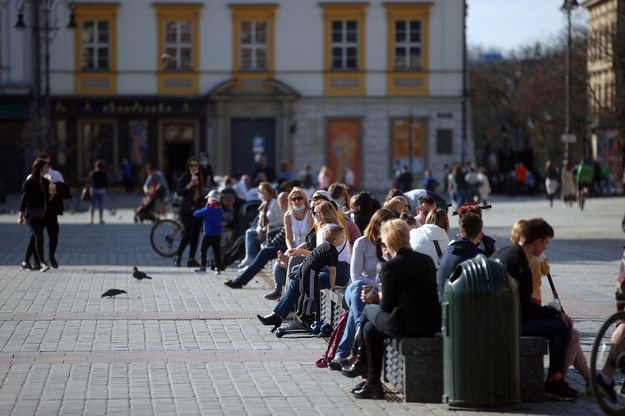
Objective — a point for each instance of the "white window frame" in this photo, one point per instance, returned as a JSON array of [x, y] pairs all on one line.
[[175, 49], [407, 45], [253, 46], [344, 45], [96, 46]]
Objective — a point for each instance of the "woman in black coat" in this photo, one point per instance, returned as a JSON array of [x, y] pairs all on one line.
[[408, 307], [33, 205], [190, 188]]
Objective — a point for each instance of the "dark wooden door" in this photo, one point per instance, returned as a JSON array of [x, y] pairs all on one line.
[[247, 137]]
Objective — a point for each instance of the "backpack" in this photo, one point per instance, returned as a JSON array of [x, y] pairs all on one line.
[[333, 342]]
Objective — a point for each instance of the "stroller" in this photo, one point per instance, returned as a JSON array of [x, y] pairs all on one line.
[[151, 208]]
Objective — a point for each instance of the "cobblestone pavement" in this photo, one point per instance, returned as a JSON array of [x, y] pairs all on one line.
[[183, 343]]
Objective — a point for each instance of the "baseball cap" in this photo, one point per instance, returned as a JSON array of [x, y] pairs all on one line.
[[322, 194], [213, 194]]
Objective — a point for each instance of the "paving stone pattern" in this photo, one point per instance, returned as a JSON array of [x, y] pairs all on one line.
[[185, 344]]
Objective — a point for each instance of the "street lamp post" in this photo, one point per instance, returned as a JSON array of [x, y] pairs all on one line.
[[43, 8], [567, 7]]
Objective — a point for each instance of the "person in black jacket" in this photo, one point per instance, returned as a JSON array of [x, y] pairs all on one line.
[[98, 181], [459, 250], [408, 307], [190, 188], [33, 205], [536, 320], [58, 190]]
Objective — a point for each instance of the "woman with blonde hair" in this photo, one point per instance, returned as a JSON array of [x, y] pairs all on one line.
[[324, 213], [395, 206], [408, 307], [297, 223], [270, 217]]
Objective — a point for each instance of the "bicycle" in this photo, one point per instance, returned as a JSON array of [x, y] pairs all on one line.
[[608, 354], [165, 236]]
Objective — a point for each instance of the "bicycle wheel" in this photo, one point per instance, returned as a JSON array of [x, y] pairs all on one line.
[[165, 237], [608, 356]]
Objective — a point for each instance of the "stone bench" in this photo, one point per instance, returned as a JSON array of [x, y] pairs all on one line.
[[414, 366]]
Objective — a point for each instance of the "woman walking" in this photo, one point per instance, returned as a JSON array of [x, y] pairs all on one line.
[[551, 181], [190, 186], [33, 206]]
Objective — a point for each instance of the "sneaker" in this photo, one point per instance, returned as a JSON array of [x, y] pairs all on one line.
[[217, 272], [246, 262], [177, 261], [275, 295], [233, 285], [53, 263], [44, 268], [26, 266], [559, 390], [200, 270], [605, 389]]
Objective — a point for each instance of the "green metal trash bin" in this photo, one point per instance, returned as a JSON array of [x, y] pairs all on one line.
[[481, 336]]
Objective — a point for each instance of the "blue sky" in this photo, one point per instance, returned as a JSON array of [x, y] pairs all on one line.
[[504, 25]]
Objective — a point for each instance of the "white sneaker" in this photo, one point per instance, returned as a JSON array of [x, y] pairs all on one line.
[[246, 262]]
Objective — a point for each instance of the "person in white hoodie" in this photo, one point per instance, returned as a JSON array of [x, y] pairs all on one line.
[[432, 238]]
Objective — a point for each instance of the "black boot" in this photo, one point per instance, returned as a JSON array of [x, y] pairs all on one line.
[[370, 391], [272, 319]]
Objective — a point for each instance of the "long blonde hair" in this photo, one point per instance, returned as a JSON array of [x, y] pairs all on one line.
[[297, 192]]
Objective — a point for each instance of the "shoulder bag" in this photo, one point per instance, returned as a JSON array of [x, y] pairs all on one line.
[[85, 194]]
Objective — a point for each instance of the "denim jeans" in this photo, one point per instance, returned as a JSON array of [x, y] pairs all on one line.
[[252, 245], [262, 258], [97, 200], [559, 336], [279, 276], [288, 302], [355, 305]]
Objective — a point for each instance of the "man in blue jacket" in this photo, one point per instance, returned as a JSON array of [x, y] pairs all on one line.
[[459, 250]]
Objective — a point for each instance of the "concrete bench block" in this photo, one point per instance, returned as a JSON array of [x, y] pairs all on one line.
[[414, 366], [532, 351]]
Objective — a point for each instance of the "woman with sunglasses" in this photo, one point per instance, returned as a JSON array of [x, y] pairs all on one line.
[[297, 224], [190, 187]]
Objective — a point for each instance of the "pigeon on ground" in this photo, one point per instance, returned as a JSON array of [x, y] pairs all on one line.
[[113, 292], [139, 275]]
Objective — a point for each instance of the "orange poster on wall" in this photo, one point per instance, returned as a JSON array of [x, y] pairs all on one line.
[[344, 150], [401, 143]]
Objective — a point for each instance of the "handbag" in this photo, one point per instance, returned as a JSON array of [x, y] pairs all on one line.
[[36, 213], [85, 194]]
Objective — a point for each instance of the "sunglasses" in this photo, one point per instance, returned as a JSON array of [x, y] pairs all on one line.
[[297, 198]]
